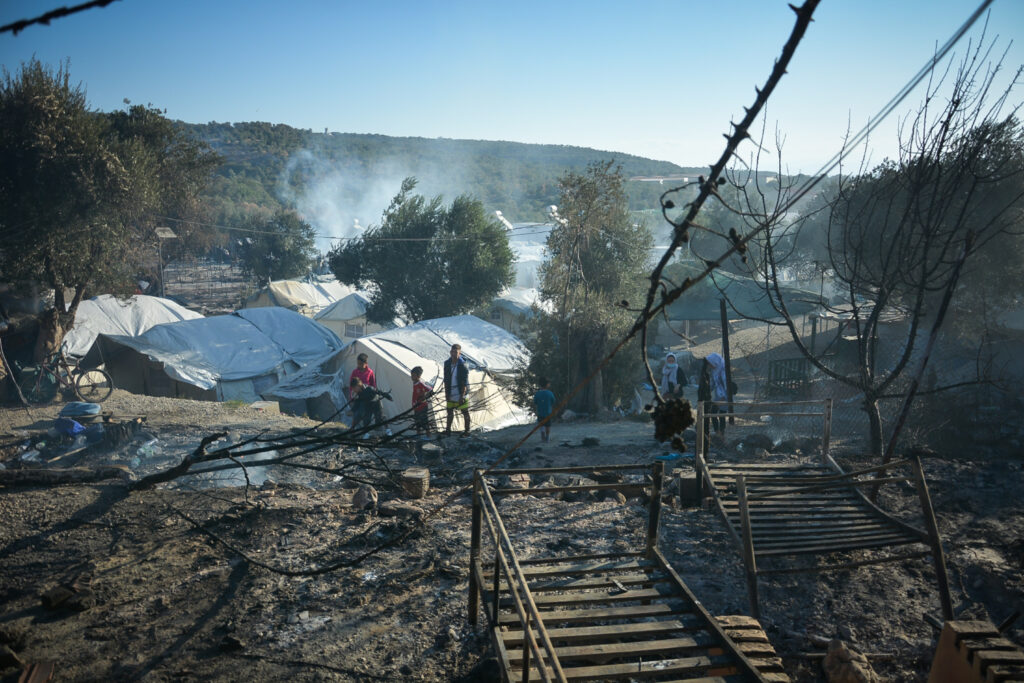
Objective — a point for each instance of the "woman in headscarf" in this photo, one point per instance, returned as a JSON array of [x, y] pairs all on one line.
[[673, 379], [713, 388]]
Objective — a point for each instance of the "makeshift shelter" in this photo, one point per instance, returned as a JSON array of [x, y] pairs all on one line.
[[346, 317], [106, 314], [224, 357], [307, 298], [322, 390], [512, 308]]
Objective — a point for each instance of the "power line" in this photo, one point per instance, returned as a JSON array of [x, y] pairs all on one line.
[[18, 26]]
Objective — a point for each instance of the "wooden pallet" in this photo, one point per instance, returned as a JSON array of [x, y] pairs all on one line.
[[777, 510], [629, 618], [607, 617], [975, 652]]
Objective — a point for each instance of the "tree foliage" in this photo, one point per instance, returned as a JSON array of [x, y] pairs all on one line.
[[897, 235], [80, 191], [279, 247], [597, 259], [426, 260]]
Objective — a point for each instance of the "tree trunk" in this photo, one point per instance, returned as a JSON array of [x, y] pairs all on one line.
[[875, 442]]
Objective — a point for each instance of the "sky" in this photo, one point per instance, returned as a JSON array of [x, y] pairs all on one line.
[[659, 79]]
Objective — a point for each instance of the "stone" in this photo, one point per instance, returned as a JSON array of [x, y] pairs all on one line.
[[843, 664], [396, 508], [365, 497]]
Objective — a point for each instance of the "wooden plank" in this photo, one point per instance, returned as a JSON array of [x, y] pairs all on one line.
[[775, 541], [547, 600], [590, 633], [598, 581], [771, 537], [663, 647], [607, 614], [569, 569], [803, 550], [661, 667]]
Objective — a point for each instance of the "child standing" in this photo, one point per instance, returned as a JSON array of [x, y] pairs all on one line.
[[543, 403], [420, 410]]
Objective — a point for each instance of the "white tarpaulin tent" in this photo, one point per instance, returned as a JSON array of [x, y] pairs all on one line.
[[305, 297], [224, 357], [106, 314], [346, 317], [490, 351]]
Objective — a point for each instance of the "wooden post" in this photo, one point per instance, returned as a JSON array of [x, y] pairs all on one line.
[[497, 581], [654, 511], [701, 443], [474, 551], [527, 639], [826, 436], [749, 560], [728, 360], [933, 534]]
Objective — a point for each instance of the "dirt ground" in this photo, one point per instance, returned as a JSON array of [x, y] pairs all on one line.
[[163, 591]]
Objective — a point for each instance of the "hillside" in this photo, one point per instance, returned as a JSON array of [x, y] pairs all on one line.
[[270, 165]]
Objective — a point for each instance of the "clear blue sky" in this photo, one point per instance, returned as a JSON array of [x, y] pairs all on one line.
[[657, 79]]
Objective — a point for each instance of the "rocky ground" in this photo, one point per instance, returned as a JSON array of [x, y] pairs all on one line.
[[207, 579]]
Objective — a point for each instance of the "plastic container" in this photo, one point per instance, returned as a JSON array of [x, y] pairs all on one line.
[[148, 449]]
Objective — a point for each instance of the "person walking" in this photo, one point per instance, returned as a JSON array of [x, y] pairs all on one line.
[[543, 403], [456, 387]]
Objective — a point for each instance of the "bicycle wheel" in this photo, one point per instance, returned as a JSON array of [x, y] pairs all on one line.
[[93, 386]]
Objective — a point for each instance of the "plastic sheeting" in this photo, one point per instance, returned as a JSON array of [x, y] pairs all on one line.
[[244, 345], [105, 314]]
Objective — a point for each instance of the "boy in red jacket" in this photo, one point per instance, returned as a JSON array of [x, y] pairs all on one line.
[[420, 410]]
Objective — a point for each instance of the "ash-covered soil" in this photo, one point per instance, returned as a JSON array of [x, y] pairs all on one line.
[[171, 583]]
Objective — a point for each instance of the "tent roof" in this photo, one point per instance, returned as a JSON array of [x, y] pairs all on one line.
[[296, 294], [107, 314], [746, 296], [346, 308], [483, 344], [247, 343]]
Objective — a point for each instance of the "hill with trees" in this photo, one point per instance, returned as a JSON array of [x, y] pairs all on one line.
[[272, 166]]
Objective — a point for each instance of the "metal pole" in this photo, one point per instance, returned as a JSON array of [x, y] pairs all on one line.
[[160, 264]]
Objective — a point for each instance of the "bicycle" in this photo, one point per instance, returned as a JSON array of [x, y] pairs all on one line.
[[57, 372]]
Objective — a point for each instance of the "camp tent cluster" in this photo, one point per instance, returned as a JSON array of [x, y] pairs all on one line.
[[491, 353]]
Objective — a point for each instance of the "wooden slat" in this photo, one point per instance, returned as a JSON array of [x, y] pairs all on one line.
[[599, 581], [579, 598], [569, 569], [662, 667], [768, 536], [803, 550], [590, 633], [607, 614], [664, 647]]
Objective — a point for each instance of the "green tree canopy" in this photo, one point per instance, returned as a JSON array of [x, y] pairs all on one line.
[[80, 191], [598, 258], [279, 247], [426, 260]]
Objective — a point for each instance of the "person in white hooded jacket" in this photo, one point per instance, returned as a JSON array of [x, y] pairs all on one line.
[[673, 379]]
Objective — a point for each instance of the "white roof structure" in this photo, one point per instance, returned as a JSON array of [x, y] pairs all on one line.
[[106, 314], [245, 345], [298, 295], [349, 307], [488, 350]]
